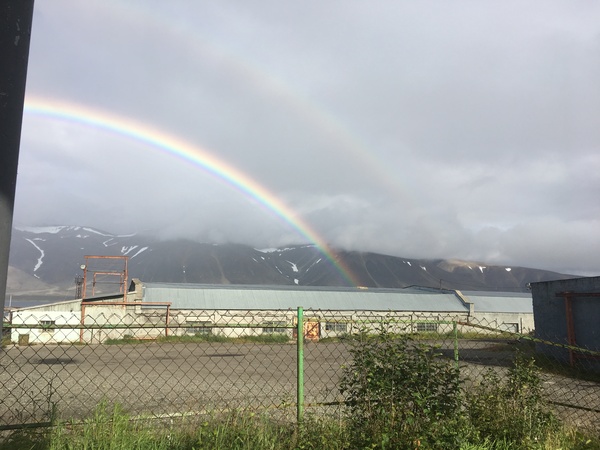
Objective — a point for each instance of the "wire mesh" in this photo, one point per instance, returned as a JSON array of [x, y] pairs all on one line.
[[156, 362]]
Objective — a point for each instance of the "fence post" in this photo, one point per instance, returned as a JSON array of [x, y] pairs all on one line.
[[455, 330], [300, 369]]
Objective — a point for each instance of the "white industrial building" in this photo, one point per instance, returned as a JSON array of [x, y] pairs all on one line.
[[150, 310]]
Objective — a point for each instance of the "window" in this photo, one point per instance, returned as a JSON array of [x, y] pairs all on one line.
[[199, 327], [427, 327], [336, 327], [274, 327], [46, 324], [512, 327]]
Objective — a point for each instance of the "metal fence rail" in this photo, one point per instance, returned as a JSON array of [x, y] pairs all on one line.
[[159, 363]]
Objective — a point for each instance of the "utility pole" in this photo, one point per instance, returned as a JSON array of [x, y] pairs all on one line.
[[16, 17]]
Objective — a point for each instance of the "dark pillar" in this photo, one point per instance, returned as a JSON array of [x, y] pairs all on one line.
[[16, 17]]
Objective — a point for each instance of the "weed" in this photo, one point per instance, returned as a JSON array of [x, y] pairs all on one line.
[[267, 338], [127, 339], [401, 394], [513, 408]]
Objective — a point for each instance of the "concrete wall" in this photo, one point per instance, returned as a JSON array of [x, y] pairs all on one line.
[[514, 322], [550, 315], [330, 323], [39, 322], [111, 315], [43, 323], [150, 323]]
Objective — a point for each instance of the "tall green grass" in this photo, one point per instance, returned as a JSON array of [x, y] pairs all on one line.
[[110, 428]]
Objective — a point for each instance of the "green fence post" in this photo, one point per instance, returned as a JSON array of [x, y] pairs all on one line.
[[455, 330], [300, 380]]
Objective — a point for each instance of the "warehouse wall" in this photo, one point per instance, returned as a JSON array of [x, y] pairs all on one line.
[[551, 318]]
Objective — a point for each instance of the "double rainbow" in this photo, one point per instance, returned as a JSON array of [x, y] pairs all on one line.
[[194, 154]]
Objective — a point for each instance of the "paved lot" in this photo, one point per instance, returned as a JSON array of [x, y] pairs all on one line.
[[162, 378]]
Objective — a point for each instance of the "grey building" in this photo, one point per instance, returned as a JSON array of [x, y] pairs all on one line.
[[566, 312]]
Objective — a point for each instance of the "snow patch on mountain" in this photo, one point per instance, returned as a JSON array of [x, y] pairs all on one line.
[[106, 243], [143, 249], [41, 230], [126, 250], [63, 228], [40, 260], [272, 250], [313, 264], [281, 250], [91, 230]]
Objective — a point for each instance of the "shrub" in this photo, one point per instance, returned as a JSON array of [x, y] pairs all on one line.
[[513, 408], [401, 394]]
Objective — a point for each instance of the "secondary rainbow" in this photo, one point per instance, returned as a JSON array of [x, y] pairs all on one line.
[[160, 140]]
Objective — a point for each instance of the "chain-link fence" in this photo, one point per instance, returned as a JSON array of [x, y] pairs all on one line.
[[61, 365]]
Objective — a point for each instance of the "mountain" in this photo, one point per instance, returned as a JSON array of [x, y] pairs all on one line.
[[44, 262]]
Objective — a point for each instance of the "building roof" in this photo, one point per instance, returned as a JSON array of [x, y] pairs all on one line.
[[500, 302], [199, 296], [65, 305]]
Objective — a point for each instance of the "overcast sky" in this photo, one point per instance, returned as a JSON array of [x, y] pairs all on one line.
[[442, 129]]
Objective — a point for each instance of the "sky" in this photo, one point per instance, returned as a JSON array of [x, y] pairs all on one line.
[[430, 129]]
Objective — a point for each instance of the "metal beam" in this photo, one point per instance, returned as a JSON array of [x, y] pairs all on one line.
[[16, 17]]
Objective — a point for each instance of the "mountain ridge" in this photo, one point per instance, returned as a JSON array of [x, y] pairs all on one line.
[[44, 261]]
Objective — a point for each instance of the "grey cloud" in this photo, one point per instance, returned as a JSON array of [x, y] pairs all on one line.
[[421, 129]]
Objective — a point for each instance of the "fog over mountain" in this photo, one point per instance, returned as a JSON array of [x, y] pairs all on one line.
[[45, 261]]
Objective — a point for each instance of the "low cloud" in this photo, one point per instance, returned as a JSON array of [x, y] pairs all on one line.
[[409, 128]]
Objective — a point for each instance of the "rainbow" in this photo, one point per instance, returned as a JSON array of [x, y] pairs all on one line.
[[251, 72], [200, 157]]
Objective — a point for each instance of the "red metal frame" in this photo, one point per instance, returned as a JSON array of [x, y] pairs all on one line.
[[571, 338], [123, 274]]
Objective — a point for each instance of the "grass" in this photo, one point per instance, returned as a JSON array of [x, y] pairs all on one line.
[[111, 428], [266, 338]]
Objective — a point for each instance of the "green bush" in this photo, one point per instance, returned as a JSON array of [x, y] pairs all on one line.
[[513, 408], [401, 394]]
